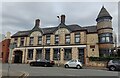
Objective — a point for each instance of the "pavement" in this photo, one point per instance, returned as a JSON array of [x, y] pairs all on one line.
[[97, 68], [11, 74]]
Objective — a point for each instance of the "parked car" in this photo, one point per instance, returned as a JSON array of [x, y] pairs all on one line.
[[73, 63], [44, 63], [113, 65]]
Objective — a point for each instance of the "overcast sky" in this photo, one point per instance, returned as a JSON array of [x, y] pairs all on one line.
[[20, 16]]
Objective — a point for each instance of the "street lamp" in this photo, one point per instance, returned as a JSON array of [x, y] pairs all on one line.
[[11, 47], [58, 54]]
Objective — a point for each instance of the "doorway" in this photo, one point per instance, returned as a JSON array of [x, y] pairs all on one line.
[[81, 55], [18, 56]]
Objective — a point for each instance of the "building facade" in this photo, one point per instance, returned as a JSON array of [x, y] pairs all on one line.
[[4, 50], [64, 42]]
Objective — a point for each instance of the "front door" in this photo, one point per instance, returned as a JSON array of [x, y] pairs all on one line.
[[81, 55], [18, 57]]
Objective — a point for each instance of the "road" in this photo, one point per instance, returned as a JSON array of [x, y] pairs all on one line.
[[57, 71]]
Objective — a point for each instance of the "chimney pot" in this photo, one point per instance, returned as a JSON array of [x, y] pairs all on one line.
[[63, 19], [37, 22]]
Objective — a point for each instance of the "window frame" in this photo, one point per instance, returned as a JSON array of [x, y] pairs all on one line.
[[31, 42], [67, 37], [39, 40], [22, 41], [56, 39], [30, 56], [55, 53], [67, 54], [48, 39], [77, 36], [105, 38]]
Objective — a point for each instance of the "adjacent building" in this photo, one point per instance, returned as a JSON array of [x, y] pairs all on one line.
[[4, 48], [64, 42]]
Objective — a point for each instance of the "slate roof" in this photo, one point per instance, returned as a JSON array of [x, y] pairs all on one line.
[[91, 29], [51, 30], [21, 33], [103, 13]]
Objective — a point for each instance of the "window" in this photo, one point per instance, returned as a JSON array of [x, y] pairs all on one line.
[[47, 54], [22, 41], [31, 40], [39, 40], [48, 39], [56, 39], [39, 54], [106, 38], [2, 54], [30, 54], [15, 41], [67, 54], [77, 37], [105, 52], [55, 54], [105, 19], [67, 38]]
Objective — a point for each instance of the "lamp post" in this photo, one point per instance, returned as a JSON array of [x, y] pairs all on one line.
[[11, 47], [58, 54]]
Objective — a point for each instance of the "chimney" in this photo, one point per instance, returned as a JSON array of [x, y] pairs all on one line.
[[8, 35], [37, 22], [63, 19]]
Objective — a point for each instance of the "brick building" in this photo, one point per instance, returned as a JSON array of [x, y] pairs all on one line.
[[4, 50], [64, 42]]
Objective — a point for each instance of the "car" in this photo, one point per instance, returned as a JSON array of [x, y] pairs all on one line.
[[45, 63], [113, 65], [76, 63]]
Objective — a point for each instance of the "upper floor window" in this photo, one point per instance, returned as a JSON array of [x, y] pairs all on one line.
[[56, 39], [106, 38], [15, 41], [48, 39], [105, 19], [77, 37], [31, 40], [22, 41], [39, 40], [67, 38]]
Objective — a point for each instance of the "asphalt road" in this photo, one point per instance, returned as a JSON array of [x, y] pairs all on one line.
[[57, 71]]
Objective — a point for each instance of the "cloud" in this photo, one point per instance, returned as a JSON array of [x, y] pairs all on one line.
[[18, 16]]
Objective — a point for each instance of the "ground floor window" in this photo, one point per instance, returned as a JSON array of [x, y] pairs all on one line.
[[81, 54], [47, 54], [30, 54], [67, 54], [38, 54], [105, 52], [56, 55]]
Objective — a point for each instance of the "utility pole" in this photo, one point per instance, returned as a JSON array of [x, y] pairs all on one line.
[[58, 54], [11, 47]]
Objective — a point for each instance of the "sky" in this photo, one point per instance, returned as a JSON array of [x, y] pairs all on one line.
[[20, 16]]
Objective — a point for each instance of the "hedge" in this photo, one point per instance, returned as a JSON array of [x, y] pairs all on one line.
[[102, 58]]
